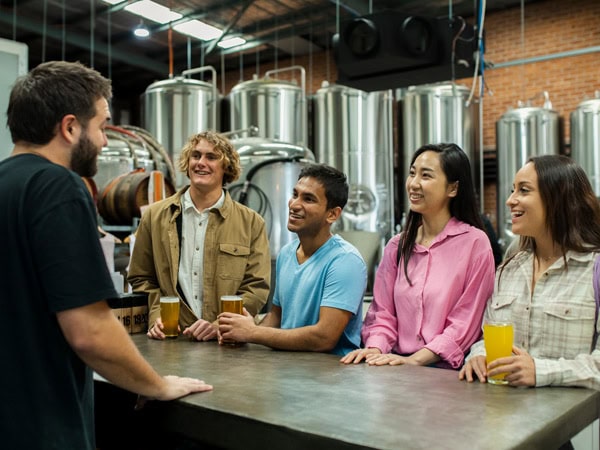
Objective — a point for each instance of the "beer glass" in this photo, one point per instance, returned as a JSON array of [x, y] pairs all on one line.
[[498, 340], [231, 304], [169, 314]]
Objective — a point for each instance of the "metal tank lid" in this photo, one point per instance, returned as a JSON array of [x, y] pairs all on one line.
[[327, 86], [527, 111], [270, 148], [179, 81], [590, 104], [443, 88], [258, 83]]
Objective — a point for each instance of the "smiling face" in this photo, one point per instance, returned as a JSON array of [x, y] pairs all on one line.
[[308, 212], [205, 168], [527, 210], [427, 186]]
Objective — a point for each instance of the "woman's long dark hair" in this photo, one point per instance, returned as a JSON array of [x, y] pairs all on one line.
[[455, 165], [572, 209]]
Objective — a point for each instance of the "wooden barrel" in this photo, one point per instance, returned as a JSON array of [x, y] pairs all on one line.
[[121, 199]]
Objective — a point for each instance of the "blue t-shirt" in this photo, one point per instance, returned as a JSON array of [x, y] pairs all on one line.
[[334, 276]]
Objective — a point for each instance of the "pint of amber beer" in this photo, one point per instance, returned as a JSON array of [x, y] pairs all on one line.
[[231, 304], [169, 314], [498, 339]]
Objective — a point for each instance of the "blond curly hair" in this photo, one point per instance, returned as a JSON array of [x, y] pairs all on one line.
[[222, 146]]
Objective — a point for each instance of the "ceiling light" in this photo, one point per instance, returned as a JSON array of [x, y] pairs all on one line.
[[231, 42], [141, 30], [113, 2], [199, 30], [153, 11]]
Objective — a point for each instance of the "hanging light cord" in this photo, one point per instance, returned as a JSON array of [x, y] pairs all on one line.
[[44, 25]]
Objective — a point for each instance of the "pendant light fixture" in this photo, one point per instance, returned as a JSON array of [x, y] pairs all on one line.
[[141, 30]]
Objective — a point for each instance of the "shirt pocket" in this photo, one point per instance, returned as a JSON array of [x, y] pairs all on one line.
[[567, 328], [575, 310], [570, 326], [232, 260], [499, 308]]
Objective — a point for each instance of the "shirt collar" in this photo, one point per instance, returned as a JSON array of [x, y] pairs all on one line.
[[577, 256], [187, 203]]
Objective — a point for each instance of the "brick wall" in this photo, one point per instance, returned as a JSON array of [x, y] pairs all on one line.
[[550, 26]]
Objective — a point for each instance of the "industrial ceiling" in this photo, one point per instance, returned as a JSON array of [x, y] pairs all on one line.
[[100, 35]]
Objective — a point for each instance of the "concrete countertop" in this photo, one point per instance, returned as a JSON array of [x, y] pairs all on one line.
[[275, 399]]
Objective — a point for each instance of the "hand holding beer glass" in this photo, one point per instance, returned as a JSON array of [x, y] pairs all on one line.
[[498, 340], [169, 314], [232, 304]]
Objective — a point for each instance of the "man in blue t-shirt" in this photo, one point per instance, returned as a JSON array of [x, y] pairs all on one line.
[[320, 278], [57, 325]]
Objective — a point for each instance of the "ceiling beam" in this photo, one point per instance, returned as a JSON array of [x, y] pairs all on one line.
[[230, 25], [83, 41]]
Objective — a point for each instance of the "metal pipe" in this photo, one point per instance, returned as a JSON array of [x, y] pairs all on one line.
[[516, 62], [244, 194], [252, 130]]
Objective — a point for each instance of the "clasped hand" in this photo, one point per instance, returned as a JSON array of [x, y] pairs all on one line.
[[200, 330], [235, 327]]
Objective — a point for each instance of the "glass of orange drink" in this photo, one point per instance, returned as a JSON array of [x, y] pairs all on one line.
[[498, 340]]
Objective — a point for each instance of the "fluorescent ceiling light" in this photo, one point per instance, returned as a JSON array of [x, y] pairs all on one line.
[[231, 42], [113, 2], [199, 30], [153, 11]]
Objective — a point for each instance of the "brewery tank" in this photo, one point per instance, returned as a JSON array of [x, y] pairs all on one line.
[[521, 133], [585, 139], [179, 107], [277, 107], [270, 170], [353, 132], [438, 113]]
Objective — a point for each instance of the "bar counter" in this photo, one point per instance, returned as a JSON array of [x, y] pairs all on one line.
[[268, 399]]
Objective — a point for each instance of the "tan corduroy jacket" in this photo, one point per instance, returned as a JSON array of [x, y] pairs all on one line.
[[236, 258]]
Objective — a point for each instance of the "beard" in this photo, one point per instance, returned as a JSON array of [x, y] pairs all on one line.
[[84, 158]]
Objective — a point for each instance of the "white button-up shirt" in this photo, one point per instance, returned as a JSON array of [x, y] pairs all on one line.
[[193, 232]]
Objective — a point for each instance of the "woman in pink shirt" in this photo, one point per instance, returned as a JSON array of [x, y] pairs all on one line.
[[435, 277]]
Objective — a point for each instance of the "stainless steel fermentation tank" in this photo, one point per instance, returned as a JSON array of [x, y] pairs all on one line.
[[276, 107], [268, 119], [521, 133], [434, 114], [179, 107], [353, 132], [585, 139]]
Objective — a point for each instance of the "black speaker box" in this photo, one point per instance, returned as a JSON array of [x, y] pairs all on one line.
[[391, 49]]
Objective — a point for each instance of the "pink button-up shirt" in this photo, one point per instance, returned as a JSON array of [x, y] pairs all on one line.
[[442, 310]]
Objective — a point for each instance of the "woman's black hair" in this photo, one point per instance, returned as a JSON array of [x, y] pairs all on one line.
[[455, 165]]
